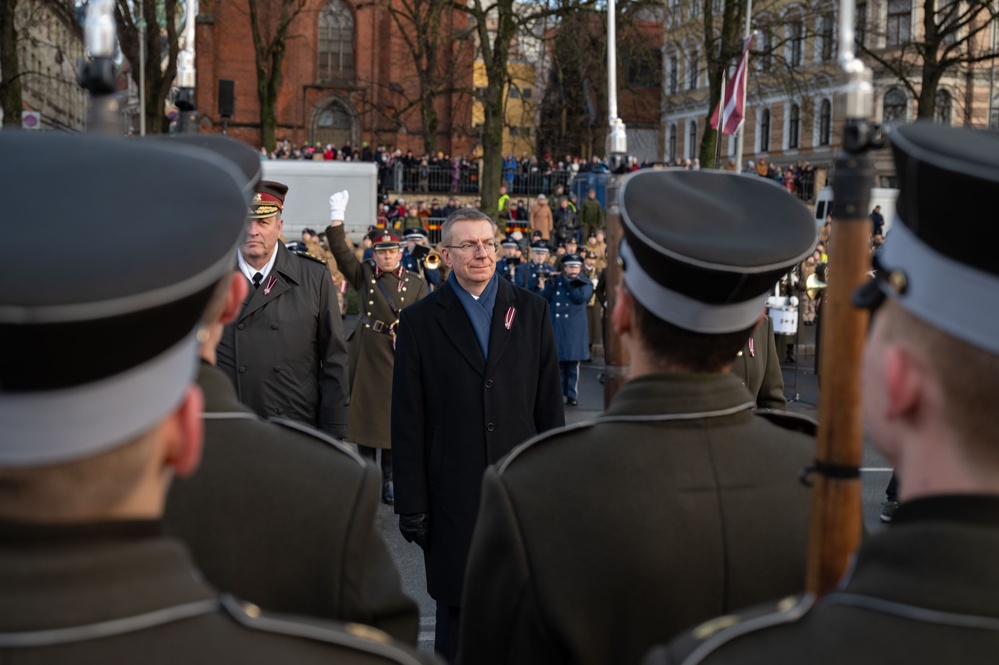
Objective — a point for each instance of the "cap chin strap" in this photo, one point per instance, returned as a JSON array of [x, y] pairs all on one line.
[[683, 311], [54, 427]]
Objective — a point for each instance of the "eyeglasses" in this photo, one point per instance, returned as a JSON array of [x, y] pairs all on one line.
[[474, 246]]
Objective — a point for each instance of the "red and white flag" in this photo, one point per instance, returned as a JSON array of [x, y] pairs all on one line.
[[734, 97]]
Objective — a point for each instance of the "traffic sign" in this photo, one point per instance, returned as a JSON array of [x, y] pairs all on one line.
[[31, 120]]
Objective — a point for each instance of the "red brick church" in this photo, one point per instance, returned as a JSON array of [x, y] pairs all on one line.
[[348, 75]]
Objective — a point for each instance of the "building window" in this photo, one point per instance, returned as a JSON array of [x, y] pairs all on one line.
[[826, 46], [674, 74], [693, 70], [644, 67], [514, 92], [717, 6], [825, 122], [942, 107], [794, 126], [894, 106], [797, 39], [671, 148], [765, 48], [692, 140], [860, 29], [899, 22], [336, 42], [765, 130], [673, 11]]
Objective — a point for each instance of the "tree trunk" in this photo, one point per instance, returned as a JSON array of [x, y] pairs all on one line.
[[10, 84], [731, 48]]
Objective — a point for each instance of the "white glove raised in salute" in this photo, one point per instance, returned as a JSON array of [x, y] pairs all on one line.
[[338, 205]]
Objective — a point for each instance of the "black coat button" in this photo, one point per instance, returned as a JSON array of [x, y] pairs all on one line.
[[489, 383], [490, 427], [242, 369]]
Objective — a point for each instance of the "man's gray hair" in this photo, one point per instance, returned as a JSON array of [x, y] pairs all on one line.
[[463, 215]]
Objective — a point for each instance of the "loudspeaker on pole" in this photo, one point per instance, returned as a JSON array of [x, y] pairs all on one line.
[[227, 98]]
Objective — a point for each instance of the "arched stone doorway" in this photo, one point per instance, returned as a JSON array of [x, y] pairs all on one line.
[[334, 121]]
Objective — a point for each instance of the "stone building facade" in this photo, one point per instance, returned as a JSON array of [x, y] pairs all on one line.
[[792, 110]]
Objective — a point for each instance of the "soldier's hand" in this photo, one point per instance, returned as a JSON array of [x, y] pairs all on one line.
[[415, 528], [338, 205]]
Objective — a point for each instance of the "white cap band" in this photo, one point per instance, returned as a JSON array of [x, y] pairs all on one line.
[[52, 427]]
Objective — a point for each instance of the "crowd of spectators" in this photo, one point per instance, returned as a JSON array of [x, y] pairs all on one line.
[[797, 178]]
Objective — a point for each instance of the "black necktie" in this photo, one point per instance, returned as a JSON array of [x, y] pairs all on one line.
[[257, 278]]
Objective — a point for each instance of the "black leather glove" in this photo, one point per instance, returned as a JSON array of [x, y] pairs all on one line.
[[415, 528]]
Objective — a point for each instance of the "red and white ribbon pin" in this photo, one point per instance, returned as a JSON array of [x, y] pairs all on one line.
[[269, 286], [508, 321]]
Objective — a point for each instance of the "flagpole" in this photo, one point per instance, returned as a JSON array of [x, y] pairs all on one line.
[[740, 133], [720, 124]]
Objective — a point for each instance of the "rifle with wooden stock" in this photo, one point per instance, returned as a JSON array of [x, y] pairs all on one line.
[[836, 524]]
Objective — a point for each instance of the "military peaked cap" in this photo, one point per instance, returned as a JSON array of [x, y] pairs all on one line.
[[703, 249], [946, 176], [269, 199], [100, 338]]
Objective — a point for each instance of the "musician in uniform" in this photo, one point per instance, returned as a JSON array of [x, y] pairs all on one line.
[[384, 289], [594, 308], [679, 503], [506, 267], [528, 273], [285, 352], [414, 257], [568, 294], [925, 589], [91, 439]]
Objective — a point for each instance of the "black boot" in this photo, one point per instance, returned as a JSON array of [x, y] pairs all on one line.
[[388, 490]]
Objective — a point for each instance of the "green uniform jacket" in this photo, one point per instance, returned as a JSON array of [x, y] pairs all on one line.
[[372, 354], [284, 516], [759, 368], [923, 592], [594, 542], [118, 592], [591, 215], [285, 353]]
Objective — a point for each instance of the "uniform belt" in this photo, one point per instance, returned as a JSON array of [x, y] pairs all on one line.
[[378, 326]]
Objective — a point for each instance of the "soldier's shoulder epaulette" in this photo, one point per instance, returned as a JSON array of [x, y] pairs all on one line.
[[413, 273], [325, 438], [550, 435], [354, 636], [796, 422], [313, 257], [693, 647]]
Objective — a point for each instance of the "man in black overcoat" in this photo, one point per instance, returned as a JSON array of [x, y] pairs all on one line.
[[924, 590], [285, 352], [476, 373]]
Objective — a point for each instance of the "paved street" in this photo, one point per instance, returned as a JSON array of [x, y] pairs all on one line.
[[875, 475]]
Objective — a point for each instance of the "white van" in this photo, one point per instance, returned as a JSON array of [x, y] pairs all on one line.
[[880, 196], [310, 184]]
